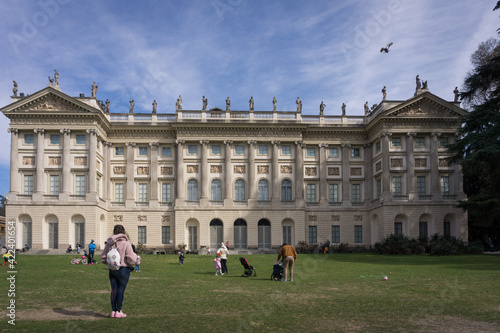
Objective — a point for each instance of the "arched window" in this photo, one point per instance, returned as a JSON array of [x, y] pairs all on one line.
[[286, 190], [263, 190], [216, 233], [216, 190], [239, 190], [264, 234], [240, 234], [192, 190]]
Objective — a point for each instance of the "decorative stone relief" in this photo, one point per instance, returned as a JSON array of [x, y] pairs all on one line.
[[310, 171], [356, 171], [98, 165], [286, 169], [50, 104], [216, 169], [378, 166], [142, 218], [143, 171], [118, 218], [334, 171], [192, 169], [420, 162], [396, 162], [335, 218], [54, 160], [358, 218], [119, 170], [28, 160], [263, 169], [81, 160], [166, 171], [165, 218], [443, 163], [239, 169], [312, 218]]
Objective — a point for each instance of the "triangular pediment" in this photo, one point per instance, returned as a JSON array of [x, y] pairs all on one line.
[[426, 105], [48, 100]]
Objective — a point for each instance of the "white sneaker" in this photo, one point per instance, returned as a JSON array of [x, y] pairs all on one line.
[[221, 273]]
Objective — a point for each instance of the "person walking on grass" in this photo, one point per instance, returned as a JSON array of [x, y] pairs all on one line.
[[91, 251], [119, 278], [224, 252], [289, 255]]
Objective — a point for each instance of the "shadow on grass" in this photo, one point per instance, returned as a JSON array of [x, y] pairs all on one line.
[[79, 313]]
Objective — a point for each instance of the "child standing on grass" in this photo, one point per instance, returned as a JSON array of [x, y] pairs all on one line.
[[218, 266], [137, 267], [181, 257]]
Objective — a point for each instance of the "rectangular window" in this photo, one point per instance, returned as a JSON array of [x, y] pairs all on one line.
[[422, 229], [29, 139], [333, 152], [334, 192], [119, 192], [98, 186], [165, 234], [311, 152], [398, 228], [215, 150], [379, 187], [311, 192], [262, 150], [143, 192], [419, 141], [421, 185], [119, 151], [285, 150], [80, 185], [356, 192], [358, 234], [355, 152], [141, 235], [192, 149], [313, 234], [80, 139], [377, 146], [28, 184], [396, 185], [239, 150], [166, 193], [335, 234], [54, 184], [445, 185], [396, 142], [143, 151], [443, 142], [54, 139], [166, 151]]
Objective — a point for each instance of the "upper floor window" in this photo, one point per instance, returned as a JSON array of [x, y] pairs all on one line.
[[396, 185], [80, 185], [29, 139], [262, 150], [334, 193], [379, 187], [143, 151], [119, 151], [445, 185], [421, 185], [239, 190], [192, 149], [54, 139], [80, 139], [166, 192], [377, 146], [28, 184], [54, 184], [286, 190], [419, 141], [192, 194], [239, 150], [356, 152], [285, 150], [443, 142], [333, 152], [311, 192], [263, 190], [356, 192], [311, 152], [215, 149], [119, 192], [216, 189], [396, 141], [166, 151], [143, 192]]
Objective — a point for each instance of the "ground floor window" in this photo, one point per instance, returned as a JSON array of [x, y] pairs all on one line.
[[335, 234], [240, 234], [141, 235], [358, 234], [447, 229], [27, 234], [422, 229], [193, 238], [287, 234], [165, 234], [313, 234], [264, 234], [398, 228]]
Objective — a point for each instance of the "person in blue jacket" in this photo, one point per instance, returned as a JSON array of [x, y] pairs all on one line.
[[91, 251]]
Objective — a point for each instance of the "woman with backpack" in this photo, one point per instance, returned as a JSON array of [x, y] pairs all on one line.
[[119, 247]]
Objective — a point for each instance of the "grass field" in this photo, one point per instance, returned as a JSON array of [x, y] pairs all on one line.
[[330, 293]]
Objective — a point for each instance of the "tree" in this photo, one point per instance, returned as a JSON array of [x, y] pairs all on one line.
[[478, 150]]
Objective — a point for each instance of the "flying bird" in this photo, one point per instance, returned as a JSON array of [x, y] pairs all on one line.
[[386, 49]]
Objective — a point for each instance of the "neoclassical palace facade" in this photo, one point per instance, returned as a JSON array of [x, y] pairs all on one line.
[[253, 178]]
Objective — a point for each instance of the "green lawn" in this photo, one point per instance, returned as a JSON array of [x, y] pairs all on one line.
[[330, 293]]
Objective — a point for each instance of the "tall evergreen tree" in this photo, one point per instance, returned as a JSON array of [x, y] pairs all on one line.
[[478, 150]]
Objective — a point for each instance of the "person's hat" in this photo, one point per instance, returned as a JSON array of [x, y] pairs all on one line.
[[92, 241]]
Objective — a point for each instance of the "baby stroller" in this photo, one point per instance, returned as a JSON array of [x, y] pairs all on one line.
[[90, 261], [249, 270], [277, 272]]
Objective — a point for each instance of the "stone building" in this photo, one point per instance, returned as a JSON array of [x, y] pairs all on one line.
[[253, 178]]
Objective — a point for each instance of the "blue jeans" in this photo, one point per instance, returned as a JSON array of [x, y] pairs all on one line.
[[119, 280]]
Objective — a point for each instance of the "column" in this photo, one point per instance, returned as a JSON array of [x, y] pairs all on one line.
[[275, 176], [386, 173], [129, 170], [434, 164], [252, 195], [14, 164], [204, 173], [410, 166], [179, 170], [108, 153], [368, 183], [92, 194], [228, 200], [346, 198], [153, 166], [299, 173], [40, 188], [66, 165], [323, 184]]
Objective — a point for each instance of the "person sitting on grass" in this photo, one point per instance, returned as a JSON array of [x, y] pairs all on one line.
[[69, 249]]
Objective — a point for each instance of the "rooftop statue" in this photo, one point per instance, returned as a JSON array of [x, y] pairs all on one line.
[[384, 93], [456, 92], [56, 77], [274, 103], [205, 102], [299, 105], [367, 110], [178, 104], [131, 106], [14, 90], [343, 109], [251, 103], [107, 105], [94, 89], [228, 104], [321, 108], [154, 106]]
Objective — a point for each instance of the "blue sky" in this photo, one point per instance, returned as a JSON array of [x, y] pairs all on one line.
[[319, 50]]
